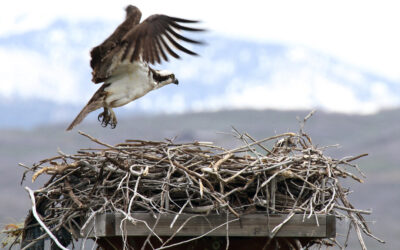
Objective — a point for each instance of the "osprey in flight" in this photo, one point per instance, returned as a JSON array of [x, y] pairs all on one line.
[[121, 62]]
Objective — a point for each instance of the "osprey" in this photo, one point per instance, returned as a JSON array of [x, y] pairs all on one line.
[[122, 61]]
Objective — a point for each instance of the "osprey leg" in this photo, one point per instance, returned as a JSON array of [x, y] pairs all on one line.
[[107, 117]]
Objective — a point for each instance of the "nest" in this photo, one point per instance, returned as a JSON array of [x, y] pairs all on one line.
[[289, 176]]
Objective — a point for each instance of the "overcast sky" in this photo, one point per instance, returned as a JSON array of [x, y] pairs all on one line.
[[362, 34]]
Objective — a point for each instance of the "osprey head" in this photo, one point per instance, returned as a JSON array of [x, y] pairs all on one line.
[[164, 77], [175, 80]]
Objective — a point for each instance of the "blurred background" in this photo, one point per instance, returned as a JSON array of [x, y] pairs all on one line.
[[265, 65]]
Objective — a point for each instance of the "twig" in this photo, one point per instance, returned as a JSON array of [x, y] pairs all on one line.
[[96, 140], [35, 214], [258, 142]]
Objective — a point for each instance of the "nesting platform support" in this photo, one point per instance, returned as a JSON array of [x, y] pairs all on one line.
[[248, 230]]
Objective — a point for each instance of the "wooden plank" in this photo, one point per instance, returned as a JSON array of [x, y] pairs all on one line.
[[250, 225]]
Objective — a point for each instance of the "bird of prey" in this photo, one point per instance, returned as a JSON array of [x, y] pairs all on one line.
[[122, 61]]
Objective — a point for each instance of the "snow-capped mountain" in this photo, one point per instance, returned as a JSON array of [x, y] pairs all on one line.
[[46, 77]]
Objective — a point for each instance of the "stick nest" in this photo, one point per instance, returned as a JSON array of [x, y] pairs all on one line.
[[282, 174]]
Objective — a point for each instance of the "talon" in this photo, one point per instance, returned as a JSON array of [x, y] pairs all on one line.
[[107, 120], [104, 117], [113, 122], [100, 116], [107, 117], [104, 124]]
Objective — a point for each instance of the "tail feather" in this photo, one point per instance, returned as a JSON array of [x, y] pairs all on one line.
[[94, 103], [90, 107]]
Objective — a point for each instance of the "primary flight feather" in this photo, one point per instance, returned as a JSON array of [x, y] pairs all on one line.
[[122, 61]]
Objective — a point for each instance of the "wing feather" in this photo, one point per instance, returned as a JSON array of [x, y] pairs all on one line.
[[154, 37], [153, 50], [180, 37], [170, 51], [136, 49], [178, 46], [181, 20], [178, 26], [103, 56], [156, 52], [161, 49]]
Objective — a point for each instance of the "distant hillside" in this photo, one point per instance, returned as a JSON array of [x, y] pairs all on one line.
[[378, 135]]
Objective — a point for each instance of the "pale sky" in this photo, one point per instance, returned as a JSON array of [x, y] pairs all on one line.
[[363, 33]]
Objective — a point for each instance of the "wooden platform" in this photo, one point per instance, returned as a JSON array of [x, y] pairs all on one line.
[[251, 225]]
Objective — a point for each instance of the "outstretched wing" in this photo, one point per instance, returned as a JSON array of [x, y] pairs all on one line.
[[101, 55], [150, 41]]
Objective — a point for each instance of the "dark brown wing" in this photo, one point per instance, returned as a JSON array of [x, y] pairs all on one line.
[[101, 56], [156, 37]]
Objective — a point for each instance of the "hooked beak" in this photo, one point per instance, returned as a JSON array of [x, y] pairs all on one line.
[[176, 81]]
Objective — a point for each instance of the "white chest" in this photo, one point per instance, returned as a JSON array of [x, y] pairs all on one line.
[[128, 83]]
